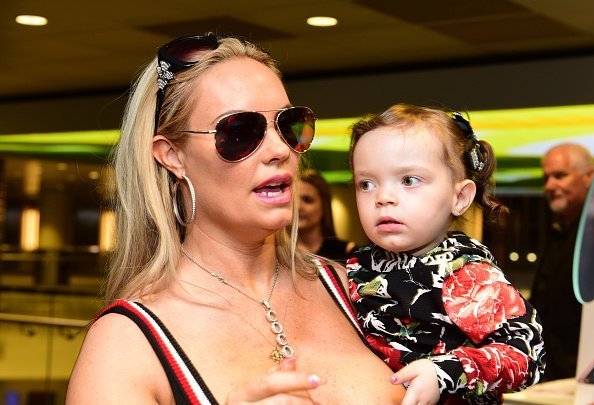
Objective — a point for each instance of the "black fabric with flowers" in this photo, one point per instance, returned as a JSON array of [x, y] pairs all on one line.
[[453, 306]]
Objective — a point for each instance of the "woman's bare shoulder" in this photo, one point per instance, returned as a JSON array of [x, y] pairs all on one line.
[[111, 330], [116, 364]]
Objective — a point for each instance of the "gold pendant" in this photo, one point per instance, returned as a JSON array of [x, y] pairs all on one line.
[[276, 355]]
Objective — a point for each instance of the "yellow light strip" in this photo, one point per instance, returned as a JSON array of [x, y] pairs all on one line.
[[30, 229], [515, 132]]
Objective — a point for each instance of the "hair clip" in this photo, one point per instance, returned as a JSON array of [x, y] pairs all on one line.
[[163, 74], [464, 126], [476, 159], [474, 148]]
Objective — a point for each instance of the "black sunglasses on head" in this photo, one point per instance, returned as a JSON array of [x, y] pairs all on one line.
[[239, 134], [176, 56]]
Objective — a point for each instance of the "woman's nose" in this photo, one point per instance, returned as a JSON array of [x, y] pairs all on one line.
[[274, 145]]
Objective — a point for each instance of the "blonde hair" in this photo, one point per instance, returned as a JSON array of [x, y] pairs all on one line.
[[148, 236], [454, 152]]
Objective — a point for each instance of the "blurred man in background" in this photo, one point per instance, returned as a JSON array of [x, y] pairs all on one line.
[[568, 170]]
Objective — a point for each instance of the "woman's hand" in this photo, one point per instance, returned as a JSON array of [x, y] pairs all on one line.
[[423, 388], [282, 384]]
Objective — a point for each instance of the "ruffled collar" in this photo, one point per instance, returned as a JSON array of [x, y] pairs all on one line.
[[456, 245]]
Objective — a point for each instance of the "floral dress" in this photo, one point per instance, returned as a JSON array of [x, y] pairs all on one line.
[[453, 306]]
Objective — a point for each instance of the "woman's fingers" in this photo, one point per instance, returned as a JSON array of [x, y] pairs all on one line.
[[282, 381]]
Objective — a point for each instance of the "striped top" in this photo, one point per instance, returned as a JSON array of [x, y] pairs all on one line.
[[186, 383]]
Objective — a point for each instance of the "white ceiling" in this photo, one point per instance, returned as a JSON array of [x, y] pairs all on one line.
[[98, 46]]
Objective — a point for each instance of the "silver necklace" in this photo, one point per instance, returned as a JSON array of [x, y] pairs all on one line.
[[282, 349]]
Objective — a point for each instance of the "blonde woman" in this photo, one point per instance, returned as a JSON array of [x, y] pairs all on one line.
[[209, 300]]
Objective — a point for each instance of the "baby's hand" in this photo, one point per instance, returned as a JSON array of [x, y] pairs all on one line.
[[423, 388]]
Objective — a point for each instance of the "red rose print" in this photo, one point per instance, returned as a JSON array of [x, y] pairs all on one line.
[[440, 348], [478, 299], [498, 367], [354, 292], [390, 355]]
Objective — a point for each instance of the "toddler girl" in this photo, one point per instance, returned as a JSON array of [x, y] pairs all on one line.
[[433, 303]]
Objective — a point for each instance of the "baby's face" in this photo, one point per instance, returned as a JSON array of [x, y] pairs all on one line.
[[405, 192]]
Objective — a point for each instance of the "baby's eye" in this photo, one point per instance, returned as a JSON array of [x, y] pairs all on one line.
[[410, 181], [366, 185]]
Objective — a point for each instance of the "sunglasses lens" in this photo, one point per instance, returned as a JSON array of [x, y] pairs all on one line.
[[297, 125], [186, 51], [238, 135]]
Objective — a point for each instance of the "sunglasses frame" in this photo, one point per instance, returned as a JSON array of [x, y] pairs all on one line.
[[168, 64], [172, 64], [277, 127]]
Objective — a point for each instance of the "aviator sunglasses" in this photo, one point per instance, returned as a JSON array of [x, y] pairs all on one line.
[[237, 135]]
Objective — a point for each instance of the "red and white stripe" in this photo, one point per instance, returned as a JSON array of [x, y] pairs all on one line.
[[335, 286], [191, 387]]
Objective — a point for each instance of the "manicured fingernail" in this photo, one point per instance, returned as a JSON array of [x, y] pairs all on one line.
[[394, 379], [314, 380]]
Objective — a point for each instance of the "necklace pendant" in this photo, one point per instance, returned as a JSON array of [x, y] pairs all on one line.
[[283, 350], [276, 355]]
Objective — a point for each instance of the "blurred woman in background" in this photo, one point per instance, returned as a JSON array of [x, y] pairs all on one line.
[[316, 226]]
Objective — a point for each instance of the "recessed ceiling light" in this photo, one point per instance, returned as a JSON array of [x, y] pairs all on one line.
[[320, 21], [34, 20]]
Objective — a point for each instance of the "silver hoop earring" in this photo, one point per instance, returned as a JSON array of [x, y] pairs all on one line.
[[193, 197]]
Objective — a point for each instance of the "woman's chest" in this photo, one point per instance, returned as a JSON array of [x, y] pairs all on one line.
[[229, 349]]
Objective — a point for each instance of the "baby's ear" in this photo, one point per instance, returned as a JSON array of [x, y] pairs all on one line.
[[168, 154], [465, 191]]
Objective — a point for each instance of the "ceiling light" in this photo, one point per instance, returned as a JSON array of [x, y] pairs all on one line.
[[34, 20], [531, 257], [320, 21]]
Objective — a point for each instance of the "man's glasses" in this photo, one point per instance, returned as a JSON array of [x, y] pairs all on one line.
[[239, 134]]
